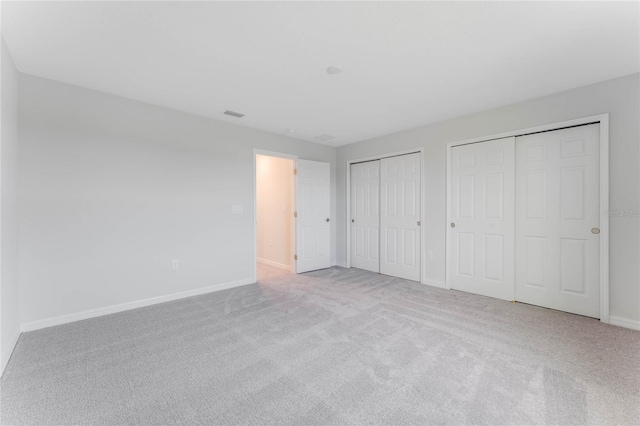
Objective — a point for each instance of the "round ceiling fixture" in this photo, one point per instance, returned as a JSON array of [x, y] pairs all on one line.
[[334, 69]]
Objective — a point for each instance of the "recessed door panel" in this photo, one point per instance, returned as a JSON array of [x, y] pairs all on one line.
[[391, 198], [360, 244], [573, 265], [536, 199], [535, 260], [572, 192], [410, 242], [465, 254], [494, 257], [391, 240], [374, 244], [494, 196], [465, 196]]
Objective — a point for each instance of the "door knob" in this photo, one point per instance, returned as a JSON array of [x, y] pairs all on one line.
[[453, 225], [595, 230], [418, 223], [327, 220], [353, 221]]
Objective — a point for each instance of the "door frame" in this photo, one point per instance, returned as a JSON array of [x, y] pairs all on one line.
[[416, 150], [603, 120], [257, 152]]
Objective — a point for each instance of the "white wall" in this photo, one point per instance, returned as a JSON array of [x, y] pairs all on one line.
[[619, 97], [111, 190], [9, 291], [274, 186]]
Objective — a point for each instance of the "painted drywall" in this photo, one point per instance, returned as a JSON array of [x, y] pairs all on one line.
[[618, 97], [274, 186], [9, 290], [112, 190]]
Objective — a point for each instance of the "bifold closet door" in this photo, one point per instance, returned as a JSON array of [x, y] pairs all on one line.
[[558, 220], [365, 215], [482, 218], [400, 216]]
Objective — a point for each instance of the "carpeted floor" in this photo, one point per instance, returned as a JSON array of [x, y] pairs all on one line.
[[338, 346]]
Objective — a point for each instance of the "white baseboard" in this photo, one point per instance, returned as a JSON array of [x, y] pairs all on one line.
[[624, 322], [6, 355], [341, 264], [276, 264], [98, 312], [434, 283]]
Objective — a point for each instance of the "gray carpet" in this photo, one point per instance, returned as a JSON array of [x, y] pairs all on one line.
[[337, 346]]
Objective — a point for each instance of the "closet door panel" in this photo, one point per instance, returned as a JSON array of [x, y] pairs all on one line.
[[557, 217], [365, 216], [482, 218], [400, 216]]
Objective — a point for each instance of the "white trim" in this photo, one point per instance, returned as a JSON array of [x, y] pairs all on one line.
[[293, 157], [447, 241], [6, 356], [624, 322], [545, 127], [433, 283], [98, 312], [419, 150], [604, 219], [275, 264], [341, 264], [603, 119]]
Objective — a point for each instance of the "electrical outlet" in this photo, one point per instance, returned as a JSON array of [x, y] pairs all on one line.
[[429, 255], [237, 209], [175, 264]]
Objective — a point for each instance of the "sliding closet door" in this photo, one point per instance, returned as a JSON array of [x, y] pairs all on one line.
[[557, 220], [400, 216], [365, 215], [482, 218]]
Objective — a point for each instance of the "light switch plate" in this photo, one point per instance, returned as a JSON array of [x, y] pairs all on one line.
[[237, 209]]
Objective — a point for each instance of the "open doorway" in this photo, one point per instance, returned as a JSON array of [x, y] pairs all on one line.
[[275, 205]]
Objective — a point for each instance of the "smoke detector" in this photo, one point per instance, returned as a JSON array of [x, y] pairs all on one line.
[[334, 69]]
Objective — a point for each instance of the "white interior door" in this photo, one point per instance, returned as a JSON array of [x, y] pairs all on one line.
[[313, 207], [400, 216], [557, 220], [482, 218], [365, 215]]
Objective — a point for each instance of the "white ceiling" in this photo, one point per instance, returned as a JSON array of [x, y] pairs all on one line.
[[404, 64]]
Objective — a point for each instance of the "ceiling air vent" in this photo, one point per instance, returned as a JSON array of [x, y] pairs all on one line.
[[325, 137], [234, 114]]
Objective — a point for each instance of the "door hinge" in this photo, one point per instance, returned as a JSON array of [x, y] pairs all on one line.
[[295, 214], [295, 257], [295, 171]]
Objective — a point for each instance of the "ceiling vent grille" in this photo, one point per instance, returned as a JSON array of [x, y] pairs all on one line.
[[234, 114], [324, 137]]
